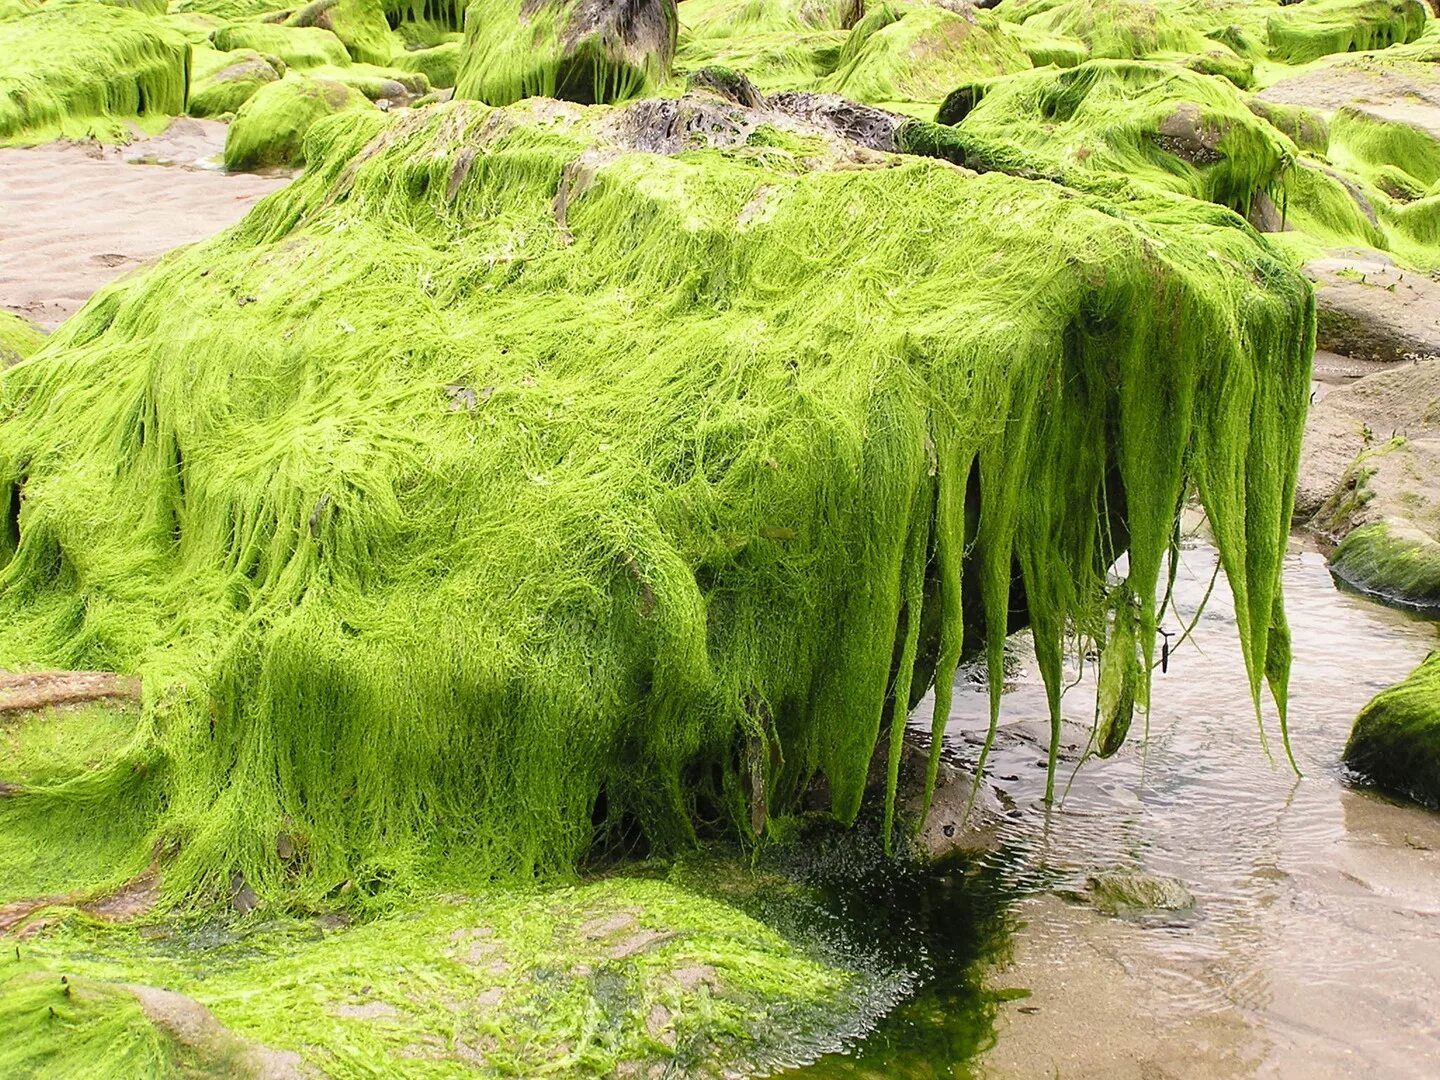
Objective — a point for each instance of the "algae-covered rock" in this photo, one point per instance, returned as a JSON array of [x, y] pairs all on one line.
[[440, 64], [1122, 127], [359, 24], [503, 478], [298, 46], [84, 69], [913, 51], [621, 977], [580, 50], [1129, 892], [1307, 31], [225, 81], [18, 338], [269, 130], [1395, 743]]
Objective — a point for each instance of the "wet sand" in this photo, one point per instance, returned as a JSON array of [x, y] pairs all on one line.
[[1313, 949], [75, 216]]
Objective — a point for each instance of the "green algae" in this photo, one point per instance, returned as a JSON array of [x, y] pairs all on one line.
[[436, 453], [1118, 127], [1395, 743], [610, 978], [18, 338], [516, 49], [223, 81], [1317, 28], [269, 130], [906, 53], [440, 64], [299, 46], [359, 24], [84, 70], [1393, 561]]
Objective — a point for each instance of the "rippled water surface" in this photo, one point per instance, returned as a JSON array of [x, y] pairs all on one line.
[[1313, 946]]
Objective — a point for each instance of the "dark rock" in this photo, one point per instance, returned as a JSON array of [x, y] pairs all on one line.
[[733, 86]]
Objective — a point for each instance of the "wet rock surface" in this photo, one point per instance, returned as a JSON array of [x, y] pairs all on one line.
[[1368, 308]]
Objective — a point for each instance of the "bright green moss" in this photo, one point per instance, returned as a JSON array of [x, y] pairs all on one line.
[[18, 338], [225, 81], [299, 46], [1307, 31], [513, 52], [440, 64], [1117, 29], [1124, 126], [910, 52], [1395, 743], [1306, 128], [1394, 561], [269, 130], [1364, 140], [376, 83], [359, 24], [85, 69], [483, 496]]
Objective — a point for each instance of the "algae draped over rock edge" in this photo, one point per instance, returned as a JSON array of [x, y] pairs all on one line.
[[1395, 743], [498, 491]]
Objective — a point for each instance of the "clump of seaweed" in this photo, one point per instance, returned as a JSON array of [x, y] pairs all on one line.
[[82, 70], [499, 489]]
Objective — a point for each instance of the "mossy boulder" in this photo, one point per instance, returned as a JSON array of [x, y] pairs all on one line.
[[1395, 743], [225, 81], [1300, 33], [579, 50], [84, 70], [908, 52], [440, 64], [1122, 127], [269, 130], [299, 46], [18, 338], [359, 24], [510, 484]]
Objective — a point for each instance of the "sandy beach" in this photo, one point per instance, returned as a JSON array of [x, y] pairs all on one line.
[[75, 216]]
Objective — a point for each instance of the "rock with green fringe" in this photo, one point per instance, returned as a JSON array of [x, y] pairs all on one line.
[[225, 81], [521, 478], [1395, 743], [587, 51], [18, 338], [269, 130], [86, 70]]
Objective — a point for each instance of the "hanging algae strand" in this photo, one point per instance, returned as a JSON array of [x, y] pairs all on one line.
[[447, 531]]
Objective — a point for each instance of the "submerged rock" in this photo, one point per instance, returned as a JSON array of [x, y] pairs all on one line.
[[587, 51], [1395, 743], [1127, 892]]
